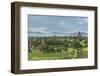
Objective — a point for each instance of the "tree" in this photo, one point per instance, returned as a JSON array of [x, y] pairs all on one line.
[[78, 46]]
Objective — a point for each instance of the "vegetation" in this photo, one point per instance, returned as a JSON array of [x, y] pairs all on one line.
[[52, 48]]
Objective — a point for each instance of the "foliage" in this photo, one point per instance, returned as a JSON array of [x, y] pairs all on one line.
[[58, 48]]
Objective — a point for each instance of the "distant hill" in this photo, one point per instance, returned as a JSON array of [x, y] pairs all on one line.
[[83, 34], [39, 34]]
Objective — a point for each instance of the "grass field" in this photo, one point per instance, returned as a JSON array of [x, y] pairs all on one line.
[[59, 48], [53, 56]]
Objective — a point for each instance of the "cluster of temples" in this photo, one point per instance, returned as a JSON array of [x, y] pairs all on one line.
[[31, 44], [43, 41]]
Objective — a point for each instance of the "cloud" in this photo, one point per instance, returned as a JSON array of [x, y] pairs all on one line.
[[80, 22], [61, 24], [38, 29], [85, 19]]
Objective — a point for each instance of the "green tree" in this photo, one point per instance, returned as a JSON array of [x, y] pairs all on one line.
[[78, 46]]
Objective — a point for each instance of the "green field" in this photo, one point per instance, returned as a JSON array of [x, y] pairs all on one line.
[[54, 48]]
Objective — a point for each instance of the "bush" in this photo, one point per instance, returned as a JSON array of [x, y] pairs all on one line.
[[76, 44]]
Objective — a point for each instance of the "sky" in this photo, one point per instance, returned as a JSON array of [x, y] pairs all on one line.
[[40, 23]]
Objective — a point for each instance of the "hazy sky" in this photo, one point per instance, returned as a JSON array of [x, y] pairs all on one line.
[[57, 23]]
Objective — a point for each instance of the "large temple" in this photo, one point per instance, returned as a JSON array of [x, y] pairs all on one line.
[[79, 34], [43, 42]]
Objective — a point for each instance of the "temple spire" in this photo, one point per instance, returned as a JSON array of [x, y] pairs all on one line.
[[43, 42]]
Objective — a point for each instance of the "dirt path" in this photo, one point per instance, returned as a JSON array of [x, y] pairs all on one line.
[[74, 54]]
